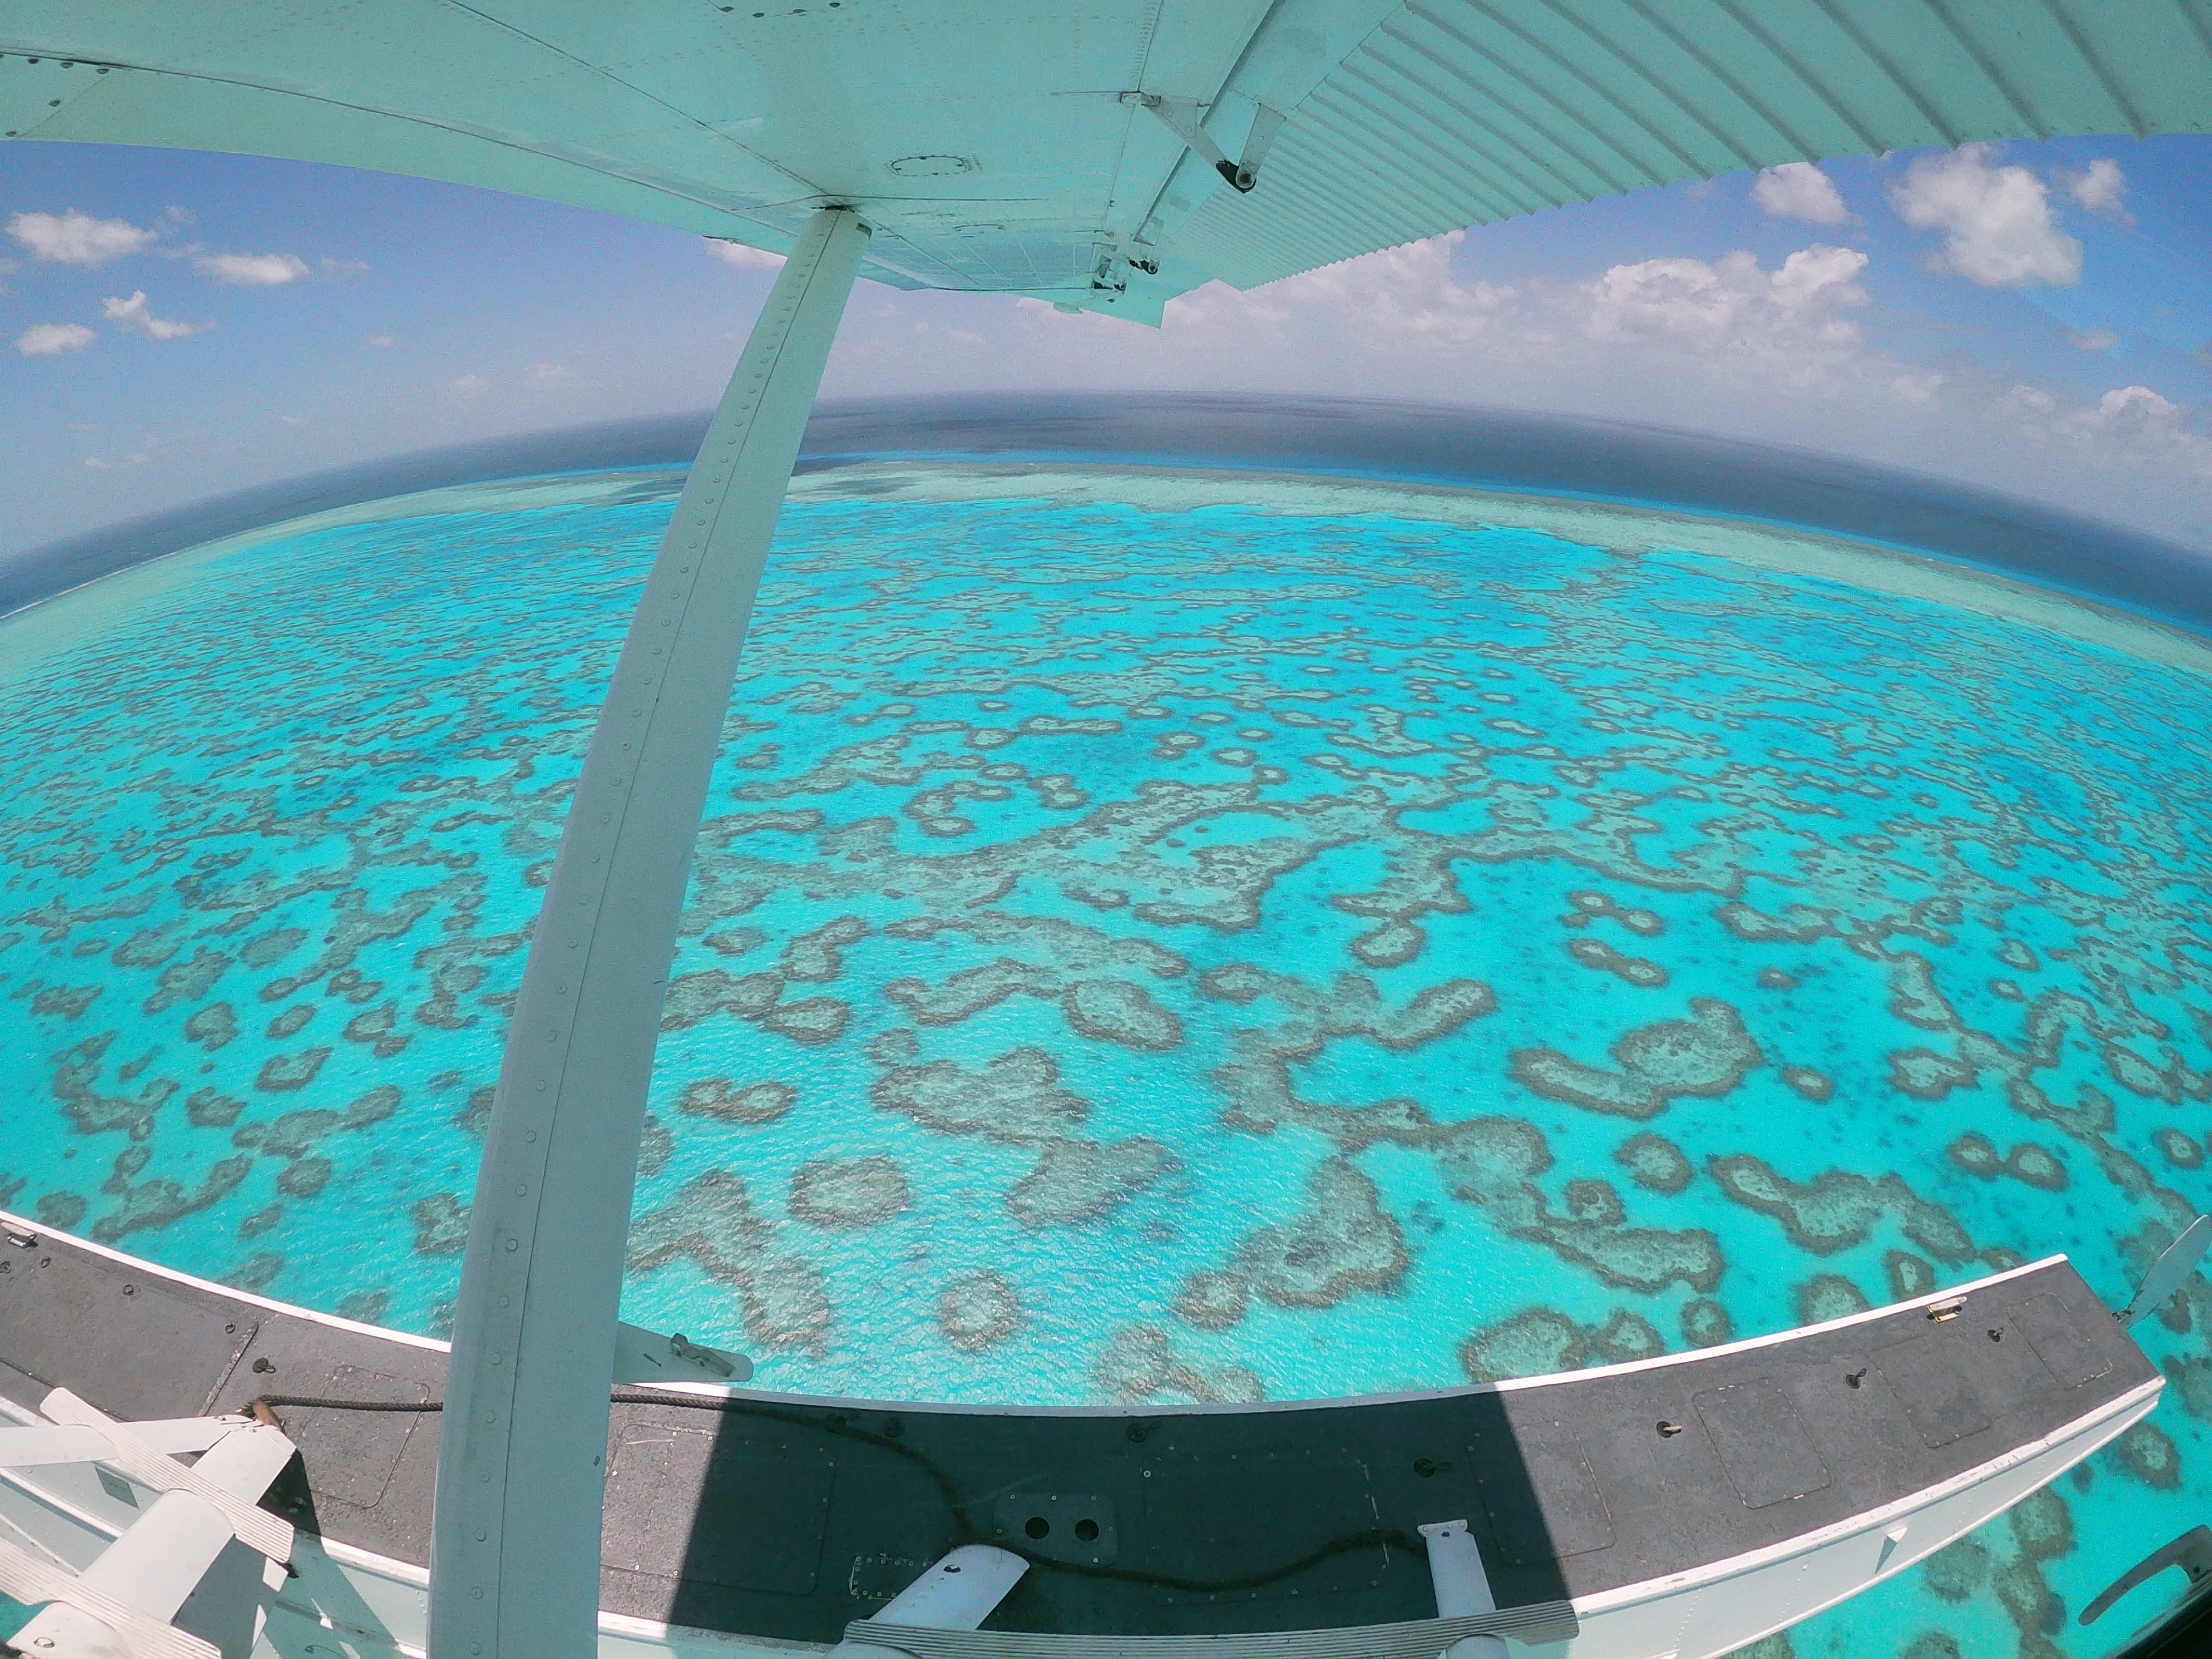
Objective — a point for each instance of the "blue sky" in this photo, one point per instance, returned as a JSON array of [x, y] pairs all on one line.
[[2033, 317]]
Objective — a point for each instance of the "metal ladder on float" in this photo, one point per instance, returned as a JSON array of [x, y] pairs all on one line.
[[120, 1605]]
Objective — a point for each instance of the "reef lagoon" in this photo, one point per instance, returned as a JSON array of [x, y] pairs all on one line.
[[1165, 935]]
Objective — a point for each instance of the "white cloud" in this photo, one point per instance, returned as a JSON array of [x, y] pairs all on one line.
[[2093, 339], [382, 342], [2102, 188], [342, 267], [77, 238], [468, 386], [546, 377], [2130, 426], [132, 314], [1998, 231], [253, 269], [99, 464], [1407, 293], [51, 339], [2138, 406], [1732, 301], [1798, 190], [745, 258], [292, 420]]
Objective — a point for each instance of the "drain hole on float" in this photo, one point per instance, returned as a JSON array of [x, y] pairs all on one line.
[[1037, 1527]]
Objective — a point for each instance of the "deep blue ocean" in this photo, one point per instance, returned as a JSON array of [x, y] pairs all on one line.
[[1176, 933]]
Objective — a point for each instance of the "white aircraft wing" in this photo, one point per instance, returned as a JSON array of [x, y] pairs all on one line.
[[1090, 153]]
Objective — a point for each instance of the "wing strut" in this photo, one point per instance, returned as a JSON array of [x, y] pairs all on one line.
[[514, 1558]]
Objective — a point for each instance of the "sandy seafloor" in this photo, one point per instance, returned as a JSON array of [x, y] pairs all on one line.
[[1164, 936]]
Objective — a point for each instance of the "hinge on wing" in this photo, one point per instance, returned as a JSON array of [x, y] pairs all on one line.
[[1181, 116]]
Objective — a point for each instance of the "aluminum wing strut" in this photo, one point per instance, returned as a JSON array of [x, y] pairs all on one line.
[[515, 1560]]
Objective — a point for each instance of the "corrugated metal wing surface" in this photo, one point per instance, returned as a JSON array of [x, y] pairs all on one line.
[[1002, 145], [1456, 112]]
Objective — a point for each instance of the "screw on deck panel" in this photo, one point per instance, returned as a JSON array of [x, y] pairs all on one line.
[[1852, 1379], [1666, 1429]]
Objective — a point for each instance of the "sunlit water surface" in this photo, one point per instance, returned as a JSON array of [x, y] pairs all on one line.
[[1358, 938]]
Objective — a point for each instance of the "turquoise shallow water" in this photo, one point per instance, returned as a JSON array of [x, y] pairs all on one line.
[[1143, 948]]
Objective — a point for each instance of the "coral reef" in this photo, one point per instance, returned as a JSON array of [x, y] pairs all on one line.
[[1358, 948]]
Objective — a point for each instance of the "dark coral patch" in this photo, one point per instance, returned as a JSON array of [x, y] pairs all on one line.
[[1117, 1011], [2148, 1453], [158, 1202], [978, 1309], [1707, 1056], [1706, 1323], [1015, 1097], [1926, 1075], [1139, 1363], [2043, 1522], [692, 998], [1541, 1341], [812, 1020], [1079, 1180], [2182, 1151], [1909, 1275], [1213, 1302], [441, 1224], [1814, 1084], [712, 1223], [1829, 1296], [212, 1026], [1958, 1571], [1342, 1242], [2032, 1164], [290, 1022], [368, 1307], [736, 1102], [1636, 970], [281, 1073], [1654, 1163], [211, 1108], [304, 1177], [61, 1211], [849, 1192], [1840, 1209]]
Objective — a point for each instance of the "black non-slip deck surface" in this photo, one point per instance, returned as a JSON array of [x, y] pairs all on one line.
[[786, 1518]]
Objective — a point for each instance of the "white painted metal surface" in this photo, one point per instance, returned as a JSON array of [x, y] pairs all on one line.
[[1462, 1587], [988, 144], [1728, 1604], [109, 1591], [643, 1355], [58, 1443], [156, 1564], [255, 1527], [516, 1552], [376, 1606], [957, 1593]]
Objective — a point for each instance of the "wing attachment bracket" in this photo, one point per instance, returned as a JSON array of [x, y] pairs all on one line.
[[1183, 116]]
